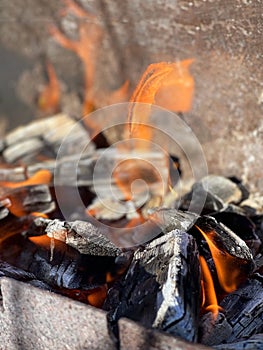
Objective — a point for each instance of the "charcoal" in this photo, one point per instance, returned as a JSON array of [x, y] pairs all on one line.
[[3, 210], [224, 237], [14, 272], [253, 205], [81, 235], [253, 343], [218, 191], [171, 219], [57, 264], [12, 174], [242, 226], [25, 142], [213, 329], [243, 309], [242, 316], [22, 149], [161, 287]]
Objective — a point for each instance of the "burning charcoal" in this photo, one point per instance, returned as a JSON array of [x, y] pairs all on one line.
[[25, 200], [23, 149], [225, 237], [171, 219], [3, 210], [241, 318], [219, 192], [46, 136], [81, 235], [214, 329], [243, 309], [253, 343], [57, 264], [12, 174], [161, 288], [242, 226]]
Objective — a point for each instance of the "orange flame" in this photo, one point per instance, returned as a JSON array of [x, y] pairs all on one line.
[[209, 302], [97, 296], [39, 178], [228, 267], [86, 48], [152, 88], [49, 98]]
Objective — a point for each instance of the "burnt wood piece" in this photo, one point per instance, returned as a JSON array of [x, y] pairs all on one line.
[[243, 226], [218, 191], [27, 199], [57, 264], [7, 270], [244, 310], [242, 316], [81, 235], [224, 237], [172, 219], [45, 137], [161, 288], [169, 219], [213, 331], [253, 343]]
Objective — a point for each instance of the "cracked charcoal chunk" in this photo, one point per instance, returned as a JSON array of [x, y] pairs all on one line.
[[225, 237], [81, 235], [64, 267], [171, 219], [243, 309], [218, 191], [161, 287]]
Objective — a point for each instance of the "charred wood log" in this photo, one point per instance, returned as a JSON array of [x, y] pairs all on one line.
[[161, 288], [169, 219], [253, 343], [57, 264], [25, 200], [244, 310], [218, 191], [81, 235], [242, 316], [45, 136]]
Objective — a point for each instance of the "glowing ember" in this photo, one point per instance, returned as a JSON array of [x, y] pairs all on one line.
[[39, 178]]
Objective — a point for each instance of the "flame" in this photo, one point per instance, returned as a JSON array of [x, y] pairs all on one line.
[[152, 88], [87, 48], [49, 98], [209, 302], [97, 296], [12, 199], [41, 177], [228, 267], [128, 171]]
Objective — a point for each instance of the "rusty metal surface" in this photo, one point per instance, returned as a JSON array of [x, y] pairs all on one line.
[[224, 37], [31, 318]]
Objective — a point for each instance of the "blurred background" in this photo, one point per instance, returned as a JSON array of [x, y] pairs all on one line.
[[224, 37]]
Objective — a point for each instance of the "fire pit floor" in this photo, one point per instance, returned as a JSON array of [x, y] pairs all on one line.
[[32, 318]]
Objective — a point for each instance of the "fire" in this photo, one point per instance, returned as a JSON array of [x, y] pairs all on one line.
[[41, 177], [228, 268], [87, 48], [49, 98], [169, 85], [209, 302]]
